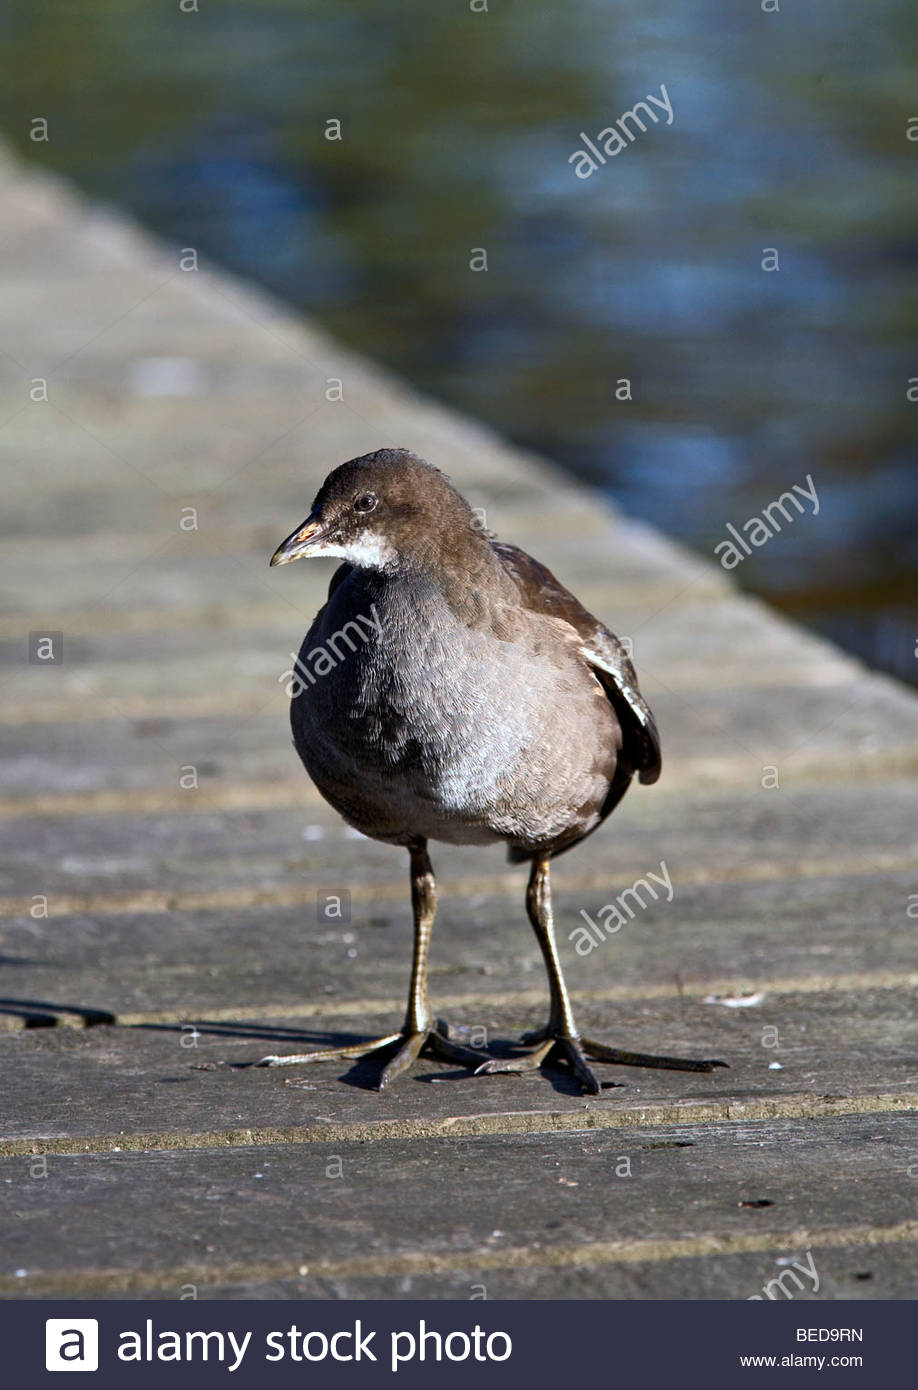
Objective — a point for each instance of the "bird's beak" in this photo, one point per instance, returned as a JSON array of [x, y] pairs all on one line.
[[302, 543]]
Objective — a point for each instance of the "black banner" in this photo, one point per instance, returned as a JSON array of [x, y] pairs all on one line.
[[413, 1344]]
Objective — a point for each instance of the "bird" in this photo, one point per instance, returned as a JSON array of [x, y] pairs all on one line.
[[453, 690]]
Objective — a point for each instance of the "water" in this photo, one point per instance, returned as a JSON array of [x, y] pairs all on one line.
[[789, 130]]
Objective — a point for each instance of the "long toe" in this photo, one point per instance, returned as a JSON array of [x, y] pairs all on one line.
[[516, 1065], [406, 1056], [329, 1054], [599, 1052], [528, 1061], [572, 1052], [555, 1045]]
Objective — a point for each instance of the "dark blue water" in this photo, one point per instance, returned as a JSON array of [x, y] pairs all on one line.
[[788, 144]]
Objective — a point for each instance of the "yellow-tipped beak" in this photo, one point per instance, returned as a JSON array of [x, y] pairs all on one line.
[[300, 544]]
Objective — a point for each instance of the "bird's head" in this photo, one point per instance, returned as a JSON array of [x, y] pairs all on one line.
[[384, 511]]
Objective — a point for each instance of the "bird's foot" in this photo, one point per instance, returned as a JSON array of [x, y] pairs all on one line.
[[547, 1043], [435, 1041], [548, 1047]]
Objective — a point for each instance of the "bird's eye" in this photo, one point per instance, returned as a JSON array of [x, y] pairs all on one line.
[[365, 502]]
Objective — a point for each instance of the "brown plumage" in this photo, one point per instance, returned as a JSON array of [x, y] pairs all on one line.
[[475, 700]]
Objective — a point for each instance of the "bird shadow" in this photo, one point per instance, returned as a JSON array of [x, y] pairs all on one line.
[[41, 1013], [46, 1013]]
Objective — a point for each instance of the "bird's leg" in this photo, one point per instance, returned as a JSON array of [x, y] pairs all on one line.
[[560, 1036], [421, 1031], [424, 907]]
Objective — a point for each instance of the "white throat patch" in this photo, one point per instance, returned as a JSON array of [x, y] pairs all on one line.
[[369, 551]]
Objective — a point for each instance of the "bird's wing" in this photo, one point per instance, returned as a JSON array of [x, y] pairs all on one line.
[[341, 573], [605, 654]]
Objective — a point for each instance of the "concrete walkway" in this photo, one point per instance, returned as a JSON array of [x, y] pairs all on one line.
[[161, 430]]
